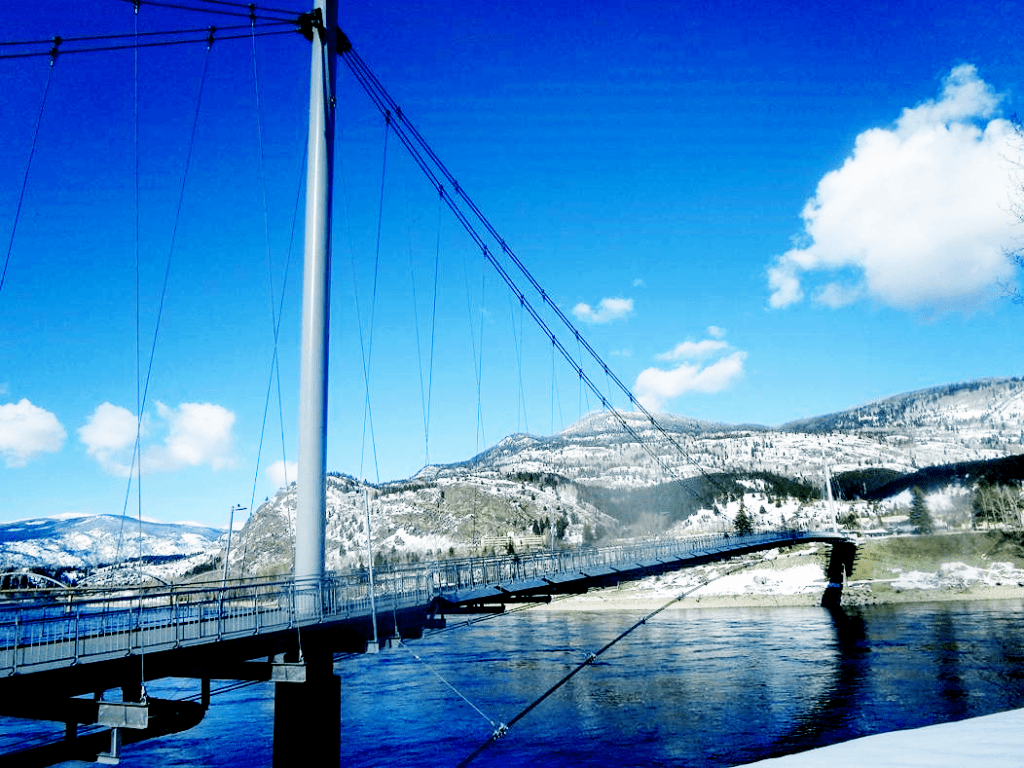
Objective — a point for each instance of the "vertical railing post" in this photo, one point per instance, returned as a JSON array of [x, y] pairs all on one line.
[[175, 619], [17, 641]]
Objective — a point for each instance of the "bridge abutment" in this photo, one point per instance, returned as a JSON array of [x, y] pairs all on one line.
[[840, 566]]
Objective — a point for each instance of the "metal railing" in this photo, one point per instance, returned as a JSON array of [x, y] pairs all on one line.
[[453, 575], [58, 628]]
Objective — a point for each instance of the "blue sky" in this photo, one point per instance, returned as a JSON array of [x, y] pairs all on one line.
[[754, 215]]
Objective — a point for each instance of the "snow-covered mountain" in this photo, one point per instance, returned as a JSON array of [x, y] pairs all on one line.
[[943, 425], [593, 481], [596, 479], [88, 542]]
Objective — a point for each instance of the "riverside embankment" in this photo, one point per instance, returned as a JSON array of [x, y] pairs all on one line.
[[906, 569]]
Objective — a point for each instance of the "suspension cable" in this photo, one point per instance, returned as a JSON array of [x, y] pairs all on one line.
[[243, 10], [439, 176], [502, 729], [183, 37], [368, 356], [135, 35], [138, 264], [275, 315], [481, 438], [433, 327], [138, 310], [444, 680], [419, 345], [251, 7], [137, 454], [28, 165], [517, 340]]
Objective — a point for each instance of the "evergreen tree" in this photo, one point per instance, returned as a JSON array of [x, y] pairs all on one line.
[[744, 525], [850, 521], [920, 517]]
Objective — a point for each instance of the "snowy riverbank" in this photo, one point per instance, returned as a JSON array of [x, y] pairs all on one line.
[[798, 579], [992, 741]]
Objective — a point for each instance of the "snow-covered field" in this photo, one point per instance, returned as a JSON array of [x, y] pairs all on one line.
[[992, 741]]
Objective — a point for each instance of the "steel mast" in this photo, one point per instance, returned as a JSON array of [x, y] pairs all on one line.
[[310, 520]]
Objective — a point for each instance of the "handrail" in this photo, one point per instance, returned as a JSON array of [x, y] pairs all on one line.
[[79, 626]]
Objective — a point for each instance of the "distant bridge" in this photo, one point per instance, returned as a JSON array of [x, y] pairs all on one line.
[[59, 645]]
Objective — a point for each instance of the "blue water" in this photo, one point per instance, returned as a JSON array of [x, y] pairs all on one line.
[[690, 688]]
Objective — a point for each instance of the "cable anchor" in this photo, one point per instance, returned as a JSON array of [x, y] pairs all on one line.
[[53, 51], [307, 22], [344, 45]]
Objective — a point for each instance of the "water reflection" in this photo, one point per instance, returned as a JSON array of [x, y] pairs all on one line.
[[897, 667], [833, 715], [692, 688]]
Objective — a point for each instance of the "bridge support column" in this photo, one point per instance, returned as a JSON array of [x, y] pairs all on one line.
[[840, 564], [307, 715]]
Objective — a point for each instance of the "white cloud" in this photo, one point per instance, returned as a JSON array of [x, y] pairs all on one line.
[[280, 474], [107, 434], [655, 386], [609, 309], [693, 350], [197, 434], [837, 295], [639, 283], [919, 213], [26, 431]]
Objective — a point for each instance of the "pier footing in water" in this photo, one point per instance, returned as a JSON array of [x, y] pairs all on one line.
[[307, 715], [840, 565]]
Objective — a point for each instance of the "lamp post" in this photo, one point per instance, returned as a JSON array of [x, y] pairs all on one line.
[[231, 526]]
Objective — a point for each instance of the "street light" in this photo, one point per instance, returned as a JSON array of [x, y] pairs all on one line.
[[231, 526]]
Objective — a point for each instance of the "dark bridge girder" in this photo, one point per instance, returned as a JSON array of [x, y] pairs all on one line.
[[493, 597], [163, 716], [307, 686]]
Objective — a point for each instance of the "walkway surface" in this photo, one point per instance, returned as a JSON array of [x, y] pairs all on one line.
[[992, 741]]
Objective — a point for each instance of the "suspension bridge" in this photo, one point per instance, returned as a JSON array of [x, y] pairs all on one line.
[[60, 652], [57, 645]]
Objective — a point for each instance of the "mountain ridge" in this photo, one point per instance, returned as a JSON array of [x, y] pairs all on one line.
[[593, 480]]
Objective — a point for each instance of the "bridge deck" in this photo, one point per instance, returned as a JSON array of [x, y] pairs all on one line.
[[72, 628]]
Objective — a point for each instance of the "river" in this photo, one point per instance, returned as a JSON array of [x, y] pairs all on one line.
[[701, 687]]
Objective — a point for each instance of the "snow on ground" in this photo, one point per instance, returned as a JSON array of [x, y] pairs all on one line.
[[959, 576], [992, 741], [802, 572], [773, 574], [761, 581]]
